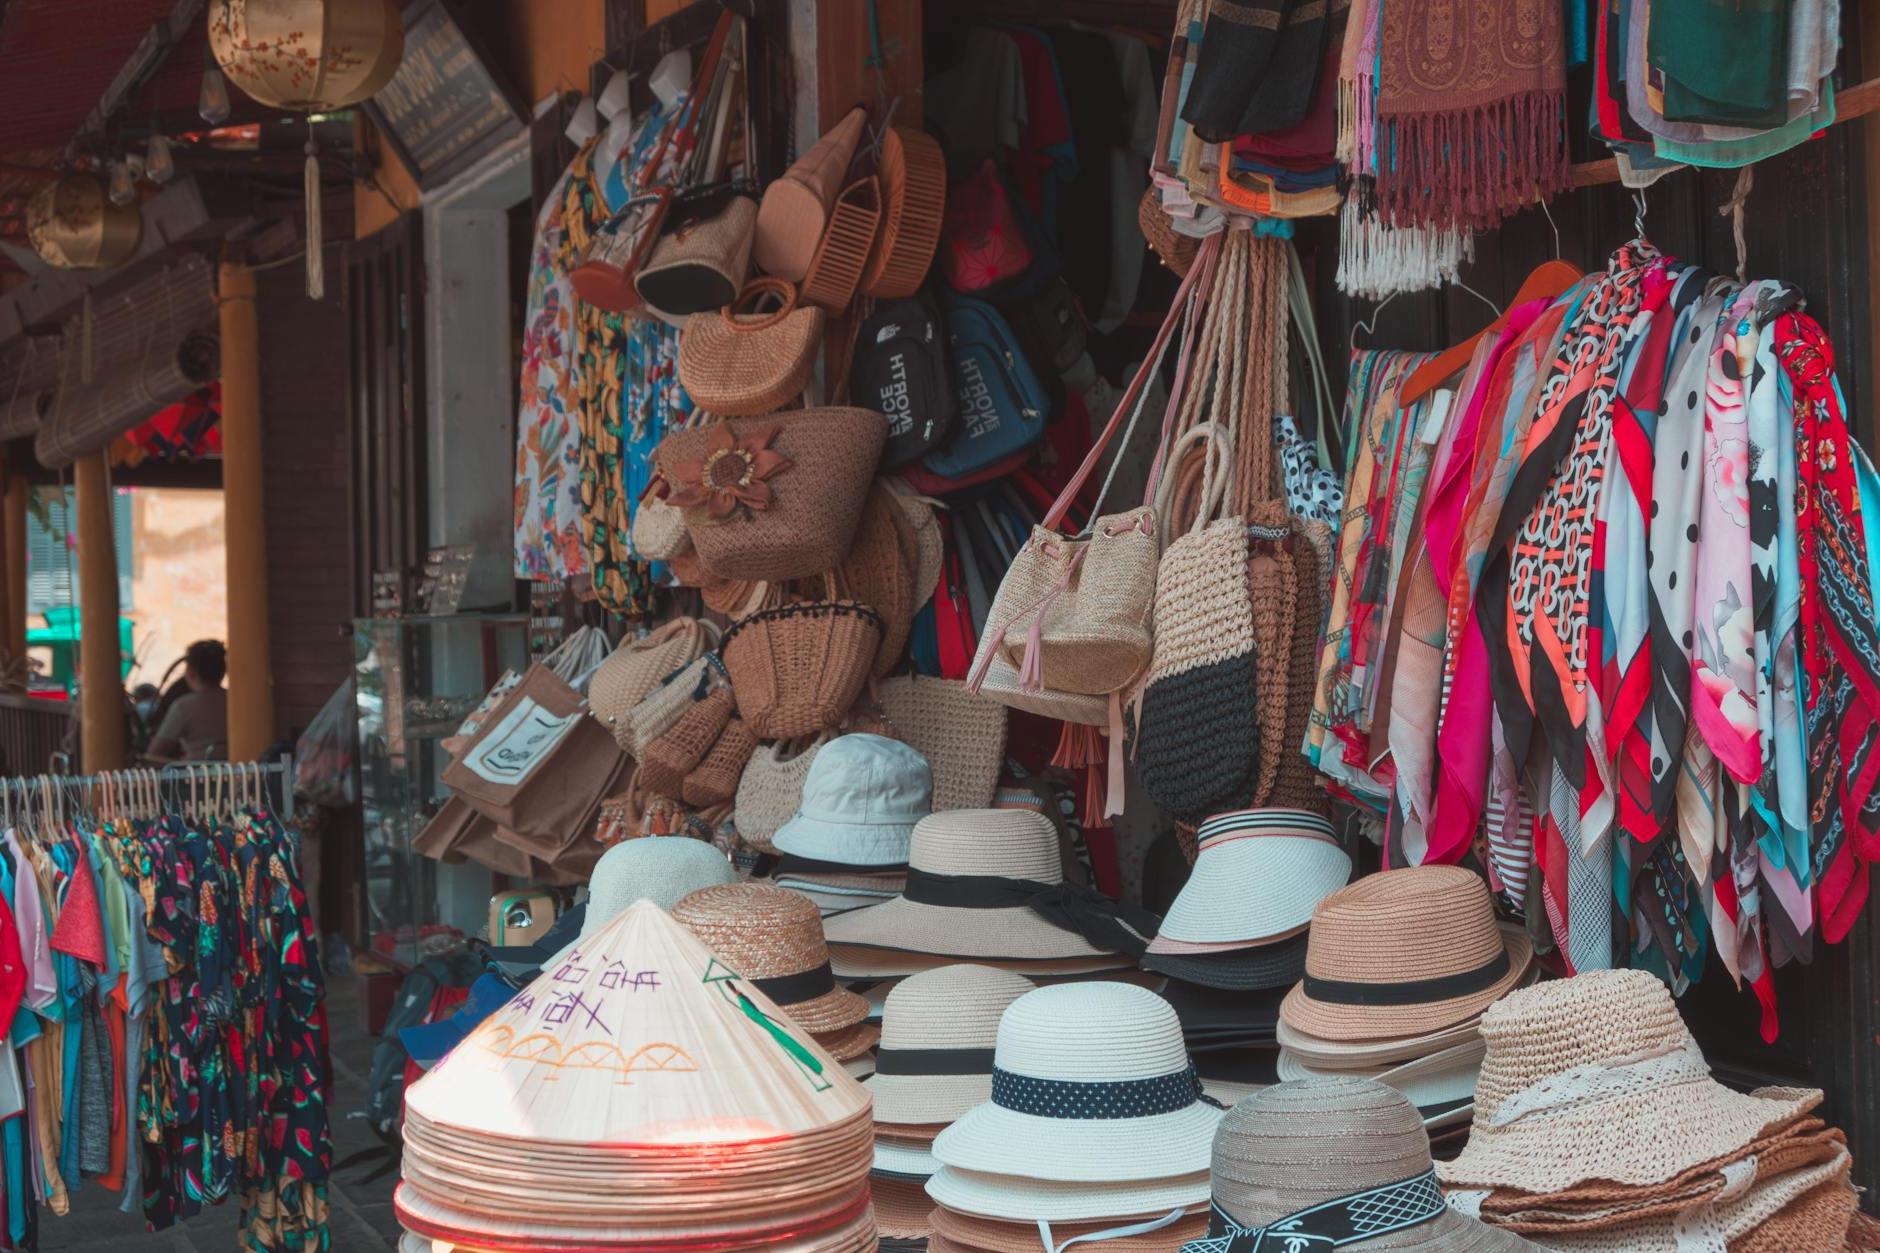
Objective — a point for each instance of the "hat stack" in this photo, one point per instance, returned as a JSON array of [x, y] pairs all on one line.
[[1333, 1163], [1399, 967], [1235, 938], [847, 846], [644, 1097], [987, 886], [934, 1064], [1096, 1129], [1598, 1127], [774, 938]]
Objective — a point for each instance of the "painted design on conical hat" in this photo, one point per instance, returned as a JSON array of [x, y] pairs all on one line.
[[639, 1035]]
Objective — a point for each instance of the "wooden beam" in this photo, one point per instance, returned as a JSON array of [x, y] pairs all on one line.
[[1855, 102], [100, 659], [846, 62], [250, 679]]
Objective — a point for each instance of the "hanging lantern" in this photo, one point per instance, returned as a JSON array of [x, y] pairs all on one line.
[[74, 226], [307, 55], [159, 161], [212, 103]]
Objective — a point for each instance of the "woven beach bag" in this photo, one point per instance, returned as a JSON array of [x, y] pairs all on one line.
[[741, 360], [662, 706], [772, 788], [659, 531], [637, 667], [960, 733], [797, 668], [774, 498], [665, 761], [714, 781]]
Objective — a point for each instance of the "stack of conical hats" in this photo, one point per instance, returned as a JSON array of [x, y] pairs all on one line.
[[639, 1095]]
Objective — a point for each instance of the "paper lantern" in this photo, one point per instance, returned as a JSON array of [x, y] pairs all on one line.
[[74, 226], [307, 55]]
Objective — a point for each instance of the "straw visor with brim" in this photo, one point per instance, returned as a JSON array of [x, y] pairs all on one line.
[[1259, 875], [1405, 952], [938, 1033], [774, 938], [1027, 1200], [1301, 1145], [967, 844], [1090, 1082], [1641, 1105]]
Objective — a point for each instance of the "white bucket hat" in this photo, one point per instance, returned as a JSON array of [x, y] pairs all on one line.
[[978, 884], [1257, 878], [1091, 1083], [860, 802], [938, 1033]]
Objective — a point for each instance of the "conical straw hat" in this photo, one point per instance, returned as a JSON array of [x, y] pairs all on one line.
[[795, 208], [640, 1037]]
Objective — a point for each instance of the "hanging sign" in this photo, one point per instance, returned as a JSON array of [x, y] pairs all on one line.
[[446, 108]]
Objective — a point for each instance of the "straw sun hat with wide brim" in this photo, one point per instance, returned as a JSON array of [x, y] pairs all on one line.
[[1090, 1082], [1596, 1077], [1013, 1199], [939, 914], [938, 1033], [1257, 878], [774, 938], [1300, 1145], [992, 1236], [1375, 969]]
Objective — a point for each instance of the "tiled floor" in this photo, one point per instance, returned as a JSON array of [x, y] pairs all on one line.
[[361, 1218]]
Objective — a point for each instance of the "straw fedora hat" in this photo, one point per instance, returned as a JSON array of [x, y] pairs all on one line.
[[1597, 1077], [1372, 972], [1441, 1085], [1301, 1146], [976, 882], [852, 1046], [861, 799], [938, 1032], [1090, 1082], [774, 938], [1257, 878]]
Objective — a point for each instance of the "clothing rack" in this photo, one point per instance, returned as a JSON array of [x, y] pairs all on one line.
[[197, 785]]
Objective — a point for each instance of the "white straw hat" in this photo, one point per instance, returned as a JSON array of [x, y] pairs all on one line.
[[1597, 1077], [1090, 1082], [860, 802], [1257, 878], [1028, 1200], [1441, 1085], [938, 1032], [974, 876]]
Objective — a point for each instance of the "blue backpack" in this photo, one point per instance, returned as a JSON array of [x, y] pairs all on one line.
[[1003, 404]]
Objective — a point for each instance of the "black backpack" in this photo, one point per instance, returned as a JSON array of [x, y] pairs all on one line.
[[901, 369]]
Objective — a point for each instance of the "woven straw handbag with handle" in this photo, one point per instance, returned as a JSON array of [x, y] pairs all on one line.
[[772, 788], [960, 733], [774, 498], [714, 781], [739, 361], [659, 532], [665, 762], [639, 665], [797, 668]]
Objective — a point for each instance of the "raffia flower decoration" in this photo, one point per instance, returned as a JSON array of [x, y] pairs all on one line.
[[731, 474]]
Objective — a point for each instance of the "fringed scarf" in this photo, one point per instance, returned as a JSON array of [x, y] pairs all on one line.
[[1472, 102], [1839, 647]]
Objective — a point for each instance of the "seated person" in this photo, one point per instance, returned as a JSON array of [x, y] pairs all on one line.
[[196, 726]]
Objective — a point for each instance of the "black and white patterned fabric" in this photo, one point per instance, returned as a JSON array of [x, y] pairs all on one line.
[[1312, 491], [1334, 1224], [1072, 1099]]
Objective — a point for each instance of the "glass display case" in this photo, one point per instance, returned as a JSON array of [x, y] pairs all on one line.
[[418, 678]]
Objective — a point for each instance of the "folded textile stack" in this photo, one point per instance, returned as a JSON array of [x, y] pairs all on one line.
[[1235, 938], [935, 1063], [1097, 1130], [774, 938], [987, 885], [647, 1097], [1598, 1127], [1381, 1001], [846, 848]]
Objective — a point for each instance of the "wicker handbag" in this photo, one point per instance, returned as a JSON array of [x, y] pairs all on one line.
[[914, 203], [666, 761], [772, 788], [774, 498], [797, 668], [960, 733], [659, 532], [739, 361], [637, 667], [664, 705], [1072, 613], [836, 269], [703, 258], [714, 781], [1297, 785], [880, 569]]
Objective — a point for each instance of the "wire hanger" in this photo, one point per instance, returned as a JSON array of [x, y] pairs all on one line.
[[1370, 328]]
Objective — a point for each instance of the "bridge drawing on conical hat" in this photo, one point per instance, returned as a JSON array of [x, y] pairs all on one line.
[[639, 1035]]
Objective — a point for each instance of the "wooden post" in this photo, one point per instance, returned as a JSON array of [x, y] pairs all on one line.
[[250, 680], [846, 48], [13, 569], [100, 662]]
